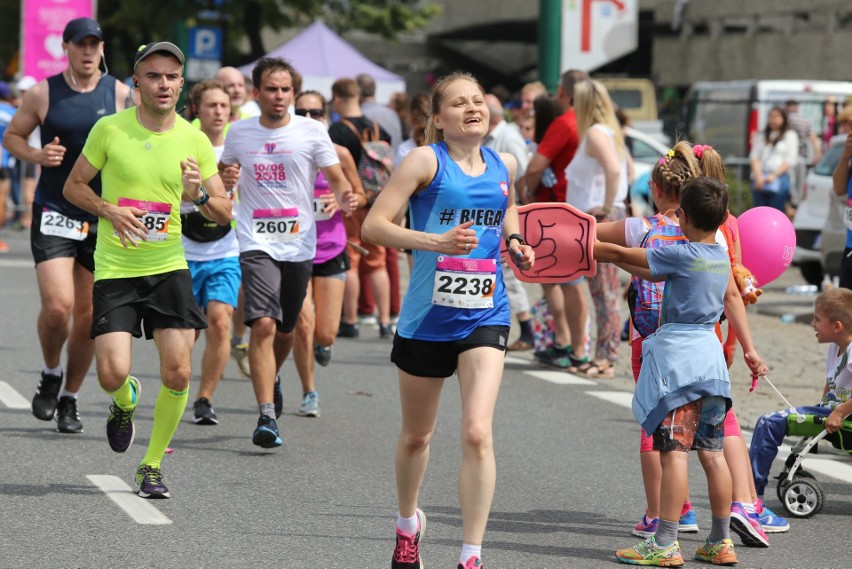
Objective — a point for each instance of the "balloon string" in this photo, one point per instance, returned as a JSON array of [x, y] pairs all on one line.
[[793, 409]]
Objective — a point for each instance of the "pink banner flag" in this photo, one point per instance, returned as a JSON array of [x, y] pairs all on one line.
[[42, 22]]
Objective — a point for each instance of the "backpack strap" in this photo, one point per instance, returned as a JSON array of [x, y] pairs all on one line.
[[354, 130]]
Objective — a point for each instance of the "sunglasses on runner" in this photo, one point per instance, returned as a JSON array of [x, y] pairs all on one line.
[[315, 113]]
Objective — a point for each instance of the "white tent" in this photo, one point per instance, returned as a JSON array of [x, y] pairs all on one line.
[[322, 57]]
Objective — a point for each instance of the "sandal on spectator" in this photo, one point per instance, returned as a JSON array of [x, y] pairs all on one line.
[[520, 345]]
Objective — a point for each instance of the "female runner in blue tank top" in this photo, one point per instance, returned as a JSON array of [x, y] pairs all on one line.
[[455, 316]]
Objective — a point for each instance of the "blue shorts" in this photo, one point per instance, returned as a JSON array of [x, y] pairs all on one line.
[[216, 280]]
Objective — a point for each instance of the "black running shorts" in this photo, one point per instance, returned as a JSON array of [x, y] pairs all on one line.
[[440, 359], [47, 247]]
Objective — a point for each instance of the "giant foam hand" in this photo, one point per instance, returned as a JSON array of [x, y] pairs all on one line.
[[563, 239]]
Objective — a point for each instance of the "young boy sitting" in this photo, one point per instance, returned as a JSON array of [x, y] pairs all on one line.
[[683, 390], [832, 323]]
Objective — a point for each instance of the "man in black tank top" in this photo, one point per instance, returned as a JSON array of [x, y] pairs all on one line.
[[62, 239]]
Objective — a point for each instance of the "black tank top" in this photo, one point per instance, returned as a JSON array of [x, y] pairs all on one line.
[[70, 116]]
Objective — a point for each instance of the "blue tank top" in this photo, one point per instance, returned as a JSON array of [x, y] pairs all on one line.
[[70, 116], [447, 296]]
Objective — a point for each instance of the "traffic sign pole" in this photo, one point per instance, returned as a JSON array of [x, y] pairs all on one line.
[[549, 42]]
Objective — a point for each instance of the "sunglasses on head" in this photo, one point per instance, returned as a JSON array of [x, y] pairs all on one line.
[[315, 113]]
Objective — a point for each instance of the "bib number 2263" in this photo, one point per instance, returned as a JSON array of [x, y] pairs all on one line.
[[57, 225]]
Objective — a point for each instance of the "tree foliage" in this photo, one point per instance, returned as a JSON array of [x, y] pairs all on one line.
[[126, 24]]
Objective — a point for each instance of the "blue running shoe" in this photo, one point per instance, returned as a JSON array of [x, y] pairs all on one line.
[[646, 527], [310, 405], [688, 522], [769, 520], [266, 433]]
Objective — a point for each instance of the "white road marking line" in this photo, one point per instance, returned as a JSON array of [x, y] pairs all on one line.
[[623, 398], [141, 510], [829, 464], [560, 377], [516, 361], [11, 398], [16, 264]]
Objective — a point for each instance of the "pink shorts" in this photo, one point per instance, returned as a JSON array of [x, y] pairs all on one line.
[[646, 444]]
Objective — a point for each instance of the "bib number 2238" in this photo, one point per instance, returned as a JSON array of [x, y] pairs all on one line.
[[464, 283]]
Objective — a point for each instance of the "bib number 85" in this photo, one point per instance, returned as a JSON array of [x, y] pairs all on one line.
[[154, 222]]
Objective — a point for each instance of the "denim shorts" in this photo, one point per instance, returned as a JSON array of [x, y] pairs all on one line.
[[698, 425]]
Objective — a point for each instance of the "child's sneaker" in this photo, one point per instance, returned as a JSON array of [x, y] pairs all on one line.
[[747, 526], [769, 521], [406, 554], [472, 563], [646, 527], [688, 522], [649, 553], [717, 553]]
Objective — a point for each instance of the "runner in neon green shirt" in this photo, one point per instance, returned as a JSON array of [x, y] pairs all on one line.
[[149, 158]]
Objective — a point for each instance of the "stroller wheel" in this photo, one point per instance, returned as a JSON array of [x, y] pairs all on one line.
[[803, 497], [781, 488]]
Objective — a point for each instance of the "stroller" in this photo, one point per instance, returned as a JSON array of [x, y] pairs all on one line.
[[798, 490]]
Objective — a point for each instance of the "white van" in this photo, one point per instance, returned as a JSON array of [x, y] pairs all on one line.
[[725, 114]]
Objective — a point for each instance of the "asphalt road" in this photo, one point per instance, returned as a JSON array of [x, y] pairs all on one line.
[[568, 492]]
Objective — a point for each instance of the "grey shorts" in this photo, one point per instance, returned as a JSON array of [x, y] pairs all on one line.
[[274, 289]]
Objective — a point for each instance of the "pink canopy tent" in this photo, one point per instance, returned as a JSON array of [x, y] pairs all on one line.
[[322, 57]]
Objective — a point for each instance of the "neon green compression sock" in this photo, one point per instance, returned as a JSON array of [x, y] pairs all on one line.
[[167, 414], [124, 396]]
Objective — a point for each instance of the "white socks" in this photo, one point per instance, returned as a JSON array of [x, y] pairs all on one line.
[[469, 551], [408, 526], [55, 371], [65, 393]]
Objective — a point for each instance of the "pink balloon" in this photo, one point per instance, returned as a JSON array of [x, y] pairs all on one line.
[[768, 241]]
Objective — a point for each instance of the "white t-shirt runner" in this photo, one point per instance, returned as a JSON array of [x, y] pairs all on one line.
[[278, 169], [222, 248]]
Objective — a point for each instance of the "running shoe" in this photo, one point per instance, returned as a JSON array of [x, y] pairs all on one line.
[[322, 354], [266, 433], [45, 398], [120, 429], [347, 330], [472, 563], [717, 553], [149, 483], [649, 553], [278, 397], [769, 520], [747, 526], [310, 405], [67, 418], [688, 522], [646, 527], [367, 319], [386, 330], [203, 411], [406, 554], [240, 355]]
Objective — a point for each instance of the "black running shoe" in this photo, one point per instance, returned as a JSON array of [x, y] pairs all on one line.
[[67, 418], [322, 354], [149, 483], [45, 399], [347, 330], [386, 330], [278, 398], [204, 413], [266, 433], [120, 428]]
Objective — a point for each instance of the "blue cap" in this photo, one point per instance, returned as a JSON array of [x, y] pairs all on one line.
[[78, 29]]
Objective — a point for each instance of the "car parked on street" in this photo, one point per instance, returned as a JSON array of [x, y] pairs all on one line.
[[820, 234]]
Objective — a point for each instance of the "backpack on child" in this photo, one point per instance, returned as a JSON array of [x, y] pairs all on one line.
[[645, 298], [376, 163]]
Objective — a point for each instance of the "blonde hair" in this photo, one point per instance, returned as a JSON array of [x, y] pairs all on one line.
[[836, 305], [434, 135], [675, 168], [593, 106], [709, 161]]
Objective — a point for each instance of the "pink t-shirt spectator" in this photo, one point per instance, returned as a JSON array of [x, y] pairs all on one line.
[[331, 233]]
